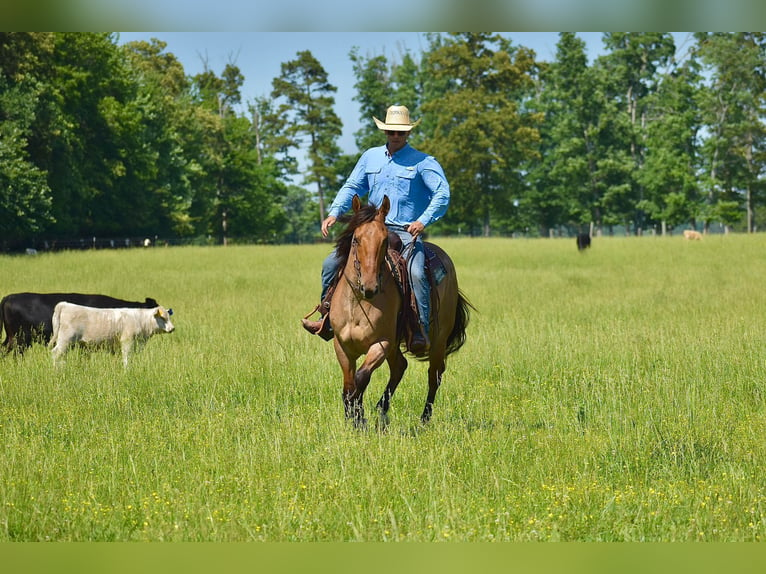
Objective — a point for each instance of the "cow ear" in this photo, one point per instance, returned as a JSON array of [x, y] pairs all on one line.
[[159, 312], [356, 203]]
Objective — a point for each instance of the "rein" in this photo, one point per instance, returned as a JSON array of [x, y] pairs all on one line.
[[358, 268]]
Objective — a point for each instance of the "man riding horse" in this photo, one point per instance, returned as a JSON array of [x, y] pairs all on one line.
[[419, 194]]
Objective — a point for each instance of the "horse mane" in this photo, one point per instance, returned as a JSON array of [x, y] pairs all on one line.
[[343, 244]]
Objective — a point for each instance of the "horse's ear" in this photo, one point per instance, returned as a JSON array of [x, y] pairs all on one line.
[[385, 205], [356, 203]]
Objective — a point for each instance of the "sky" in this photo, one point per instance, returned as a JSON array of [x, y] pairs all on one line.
[[259, 56]]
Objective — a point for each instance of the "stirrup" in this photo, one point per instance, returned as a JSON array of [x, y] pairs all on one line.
[[322, 308], [325, 329]]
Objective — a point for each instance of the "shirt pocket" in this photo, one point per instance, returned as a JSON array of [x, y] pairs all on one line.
[[373, 176], [404, 179]]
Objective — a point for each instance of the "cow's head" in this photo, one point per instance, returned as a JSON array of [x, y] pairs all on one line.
[[162, 316]]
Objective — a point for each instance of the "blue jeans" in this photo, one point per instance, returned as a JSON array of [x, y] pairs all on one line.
[[416, 267]]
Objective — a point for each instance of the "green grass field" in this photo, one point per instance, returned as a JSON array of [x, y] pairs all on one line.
[[612, 395]]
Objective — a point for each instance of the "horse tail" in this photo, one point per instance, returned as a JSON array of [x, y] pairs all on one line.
[[456, 337]]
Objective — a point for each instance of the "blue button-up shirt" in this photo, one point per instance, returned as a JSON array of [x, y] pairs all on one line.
[[413, 181]]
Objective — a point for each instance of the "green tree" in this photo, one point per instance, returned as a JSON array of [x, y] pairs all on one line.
[[408, 89], [80, 138], [239, 191], [669, 175], [25, 202], [219, 94], [733, 108], [567, 179], [305, 99], [301, 212], [484, 134], [632, 68], [374, 94], [162, 106], [271, 139], [251, 196], [25, 198]]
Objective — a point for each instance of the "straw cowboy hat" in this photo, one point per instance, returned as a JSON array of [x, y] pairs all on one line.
[[397, 120]]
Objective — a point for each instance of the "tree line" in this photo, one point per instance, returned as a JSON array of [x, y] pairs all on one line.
[[99, 139]]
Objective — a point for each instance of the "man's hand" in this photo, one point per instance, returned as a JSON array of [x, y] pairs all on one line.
[[327, 224], [415, 229]]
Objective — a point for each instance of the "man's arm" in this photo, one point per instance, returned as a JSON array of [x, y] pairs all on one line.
[[435, 180]]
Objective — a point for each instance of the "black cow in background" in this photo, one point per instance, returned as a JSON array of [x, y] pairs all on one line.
[[583, 241], [27, 317]]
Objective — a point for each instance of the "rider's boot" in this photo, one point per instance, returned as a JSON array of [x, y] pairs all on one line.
[[322, 326]]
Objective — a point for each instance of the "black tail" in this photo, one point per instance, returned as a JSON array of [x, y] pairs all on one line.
[[456, 338]]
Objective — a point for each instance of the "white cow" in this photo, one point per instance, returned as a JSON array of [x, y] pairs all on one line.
[[76, 323]]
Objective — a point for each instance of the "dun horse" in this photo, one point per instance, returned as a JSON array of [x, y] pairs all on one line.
[[365, 314]]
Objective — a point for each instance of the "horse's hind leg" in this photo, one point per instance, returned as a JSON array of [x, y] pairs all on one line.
[[397, 364], [435, 372]]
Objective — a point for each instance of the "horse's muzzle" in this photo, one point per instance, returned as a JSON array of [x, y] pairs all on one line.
[[369, 293], [369, 288]]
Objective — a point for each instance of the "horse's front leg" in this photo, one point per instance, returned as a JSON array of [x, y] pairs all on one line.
[[376, 354], [348, 367]]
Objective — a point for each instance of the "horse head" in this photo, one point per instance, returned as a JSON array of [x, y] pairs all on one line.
[[369, 246]]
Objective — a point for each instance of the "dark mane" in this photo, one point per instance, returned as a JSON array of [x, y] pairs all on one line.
[[343, 244]]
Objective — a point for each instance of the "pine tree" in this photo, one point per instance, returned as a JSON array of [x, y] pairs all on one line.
[[305, 99]]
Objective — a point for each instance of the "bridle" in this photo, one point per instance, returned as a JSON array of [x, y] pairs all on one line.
[[358, 287]]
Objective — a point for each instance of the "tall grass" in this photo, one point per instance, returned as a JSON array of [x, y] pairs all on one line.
[[611, 395]]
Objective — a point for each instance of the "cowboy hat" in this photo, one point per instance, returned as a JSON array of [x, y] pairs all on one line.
[[397, 120]]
